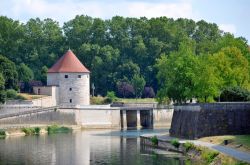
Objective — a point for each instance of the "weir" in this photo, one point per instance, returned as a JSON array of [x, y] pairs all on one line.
[[93, 116]]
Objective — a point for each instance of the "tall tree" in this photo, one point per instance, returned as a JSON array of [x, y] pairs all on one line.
[[138, 83]]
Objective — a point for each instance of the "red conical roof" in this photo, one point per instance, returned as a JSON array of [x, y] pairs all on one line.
[[68, 63]]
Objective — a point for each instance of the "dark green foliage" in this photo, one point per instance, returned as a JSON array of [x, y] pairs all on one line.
[[154, 140], [2, 133], [175, 143], [2, 92], [235, 94], [37, 130], [58, 129], [9, 72]]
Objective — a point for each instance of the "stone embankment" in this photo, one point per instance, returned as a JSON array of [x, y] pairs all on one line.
[[200, 120]]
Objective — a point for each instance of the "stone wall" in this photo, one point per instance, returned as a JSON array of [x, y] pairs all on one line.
[[74, 88], [200, 120]]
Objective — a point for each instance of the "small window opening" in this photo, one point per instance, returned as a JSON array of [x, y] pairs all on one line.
[[66, 76], [70, 100], [70, 89], [79, 76]]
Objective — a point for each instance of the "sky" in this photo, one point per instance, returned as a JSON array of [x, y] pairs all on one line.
[[230, 15]]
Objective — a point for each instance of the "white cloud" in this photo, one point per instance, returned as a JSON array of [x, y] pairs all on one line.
[[67, 9], [228, 28]]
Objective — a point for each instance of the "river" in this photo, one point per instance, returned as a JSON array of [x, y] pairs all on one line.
[[83, 147]]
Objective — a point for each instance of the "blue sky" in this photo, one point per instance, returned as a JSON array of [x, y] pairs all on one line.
[[230, 15]]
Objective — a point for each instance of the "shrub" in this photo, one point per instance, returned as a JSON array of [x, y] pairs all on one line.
[[148, 92], [110, 97], [97, 100], [11, 94], [154, 140], [2, 133], [175, 143], [37, 130], [29, 131], [188, 146], [125, 90], [208, 155], [57, 129], [235, 94]]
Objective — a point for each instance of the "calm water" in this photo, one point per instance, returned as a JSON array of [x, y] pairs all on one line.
[[82, 147]]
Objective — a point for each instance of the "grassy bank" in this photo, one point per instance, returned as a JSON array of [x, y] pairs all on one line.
[[28, 96], [240, 142], [101, 100], [206, 156]]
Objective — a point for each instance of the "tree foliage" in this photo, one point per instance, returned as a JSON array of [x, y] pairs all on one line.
[[201, 58]]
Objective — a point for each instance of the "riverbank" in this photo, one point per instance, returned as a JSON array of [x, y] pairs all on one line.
[[25, 130], [197, 151]]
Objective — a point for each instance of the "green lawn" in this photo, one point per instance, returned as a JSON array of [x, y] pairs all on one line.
[[140, 100]]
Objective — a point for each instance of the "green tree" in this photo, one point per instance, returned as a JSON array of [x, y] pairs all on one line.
[[233, 67], [2, 92], [25, 74], [176, 74], [207, 80], [9, 72], [138, 83], [44, 74]]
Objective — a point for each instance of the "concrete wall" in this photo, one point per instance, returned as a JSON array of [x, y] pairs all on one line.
[[98, 118], [48, 101], [162, 117], [200, 120], [47, 117], [72, 88]]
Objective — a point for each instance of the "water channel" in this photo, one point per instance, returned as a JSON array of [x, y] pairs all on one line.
[[83, 148]]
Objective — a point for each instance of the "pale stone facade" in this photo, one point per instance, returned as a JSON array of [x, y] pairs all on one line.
[[73, 88]]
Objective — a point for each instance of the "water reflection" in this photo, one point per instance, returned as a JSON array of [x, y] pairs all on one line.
[[81, 147]]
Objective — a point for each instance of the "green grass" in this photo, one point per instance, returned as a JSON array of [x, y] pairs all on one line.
[[103, 100], [209, 155], [139, 100], [58, 129]]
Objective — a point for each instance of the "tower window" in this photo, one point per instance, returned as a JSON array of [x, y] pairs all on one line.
[[66, 76], [70, 100], [79, 76], [70, 89]]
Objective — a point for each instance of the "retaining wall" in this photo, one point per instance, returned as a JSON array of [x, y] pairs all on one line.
[[200, 120]]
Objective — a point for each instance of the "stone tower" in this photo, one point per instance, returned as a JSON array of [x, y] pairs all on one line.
[[72, 79]]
